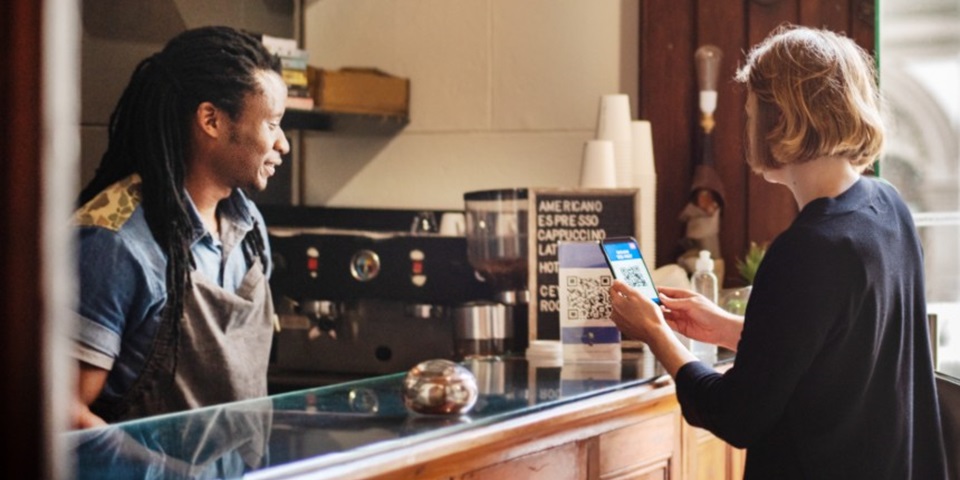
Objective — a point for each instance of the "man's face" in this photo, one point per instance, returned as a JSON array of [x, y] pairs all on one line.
[[255, 140]]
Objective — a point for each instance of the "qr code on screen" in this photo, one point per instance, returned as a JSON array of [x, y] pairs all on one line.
[[588, 298], [634, 277]]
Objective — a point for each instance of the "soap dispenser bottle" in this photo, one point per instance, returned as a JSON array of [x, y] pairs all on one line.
[[704, 282]]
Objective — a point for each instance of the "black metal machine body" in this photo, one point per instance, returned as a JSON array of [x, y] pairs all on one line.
[[354, 303]]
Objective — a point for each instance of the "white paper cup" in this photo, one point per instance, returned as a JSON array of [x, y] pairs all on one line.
[[598, 169], [613, 123], [452, 224], [645, 178], [642, 143]]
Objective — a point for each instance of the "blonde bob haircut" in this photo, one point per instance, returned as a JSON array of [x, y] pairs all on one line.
[[816, 95]]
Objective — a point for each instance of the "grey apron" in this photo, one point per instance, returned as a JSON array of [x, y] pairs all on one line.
[[218, 353], [224, 342]]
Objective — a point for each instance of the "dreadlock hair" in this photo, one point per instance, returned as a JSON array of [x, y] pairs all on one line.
[[149, 134]]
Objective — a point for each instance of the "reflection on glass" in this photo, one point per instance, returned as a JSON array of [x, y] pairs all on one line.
[[214, 443]]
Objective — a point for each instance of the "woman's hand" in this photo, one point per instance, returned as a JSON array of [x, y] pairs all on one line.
[[698, 318], [635, 315], [638, 317]]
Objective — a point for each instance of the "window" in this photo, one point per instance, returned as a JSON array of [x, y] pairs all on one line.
[[919, 45]]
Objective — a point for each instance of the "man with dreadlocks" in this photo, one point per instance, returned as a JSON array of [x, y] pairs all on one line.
[[175, 310]]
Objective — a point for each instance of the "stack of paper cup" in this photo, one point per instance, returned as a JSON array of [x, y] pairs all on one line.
[[613, 124], [598, 169], [645, 178], [452, 224]]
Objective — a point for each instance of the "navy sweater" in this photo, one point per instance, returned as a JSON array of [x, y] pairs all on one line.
[[833, 375]]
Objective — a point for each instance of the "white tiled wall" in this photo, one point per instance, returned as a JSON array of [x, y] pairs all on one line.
[[503, 94]]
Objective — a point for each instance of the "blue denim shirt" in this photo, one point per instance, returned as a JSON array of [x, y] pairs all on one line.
[[122, 275]]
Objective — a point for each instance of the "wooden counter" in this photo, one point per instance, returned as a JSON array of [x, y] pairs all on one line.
[[630, 433]]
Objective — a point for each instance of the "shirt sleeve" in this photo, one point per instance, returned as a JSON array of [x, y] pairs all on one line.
[[118, 293], [801, 295]]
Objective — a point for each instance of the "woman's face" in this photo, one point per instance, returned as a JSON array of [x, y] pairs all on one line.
[[757, 151], [752, 116]]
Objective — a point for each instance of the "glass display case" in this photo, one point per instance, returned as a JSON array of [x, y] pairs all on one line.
[[321, 428]]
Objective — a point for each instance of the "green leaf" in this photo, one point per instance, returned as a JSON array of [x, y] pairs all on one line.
[[749, 265]]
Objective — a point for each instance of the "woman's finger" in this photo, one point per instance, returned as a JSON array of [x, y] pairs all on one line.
[[619, 286]]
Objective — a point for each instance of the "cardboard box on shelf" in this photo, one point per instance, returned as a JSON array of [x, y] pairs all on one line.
[[360, 90]]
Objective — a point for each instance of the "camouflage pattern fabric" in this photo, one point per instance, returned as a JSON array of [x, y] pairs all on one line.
[[112, 207]]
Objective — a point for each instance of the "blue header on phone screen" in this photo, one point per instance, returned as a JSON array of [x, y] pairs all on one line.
[[622, 251]]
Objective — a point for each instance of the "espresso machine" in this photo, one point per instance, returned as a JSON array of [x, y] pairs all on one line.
[[497, 247], [358, 302]]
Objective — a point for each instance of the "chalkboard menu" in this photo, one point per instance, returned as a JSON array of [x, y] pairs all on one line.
[[572, 215]]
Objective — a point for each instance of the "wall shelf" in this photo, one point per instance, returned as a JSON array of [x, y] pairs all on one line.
[[360, 123]]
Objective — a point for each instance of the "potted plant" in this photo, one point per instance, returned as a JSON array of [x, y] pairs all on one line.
[[751, 262], [734, 300]]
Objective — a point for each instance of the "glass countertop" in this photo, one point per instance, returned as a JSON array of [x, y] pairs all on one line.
[[323, 427]]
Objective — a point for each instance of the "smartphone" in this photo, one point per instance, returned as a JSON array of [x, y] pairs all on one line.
[[626, 262]]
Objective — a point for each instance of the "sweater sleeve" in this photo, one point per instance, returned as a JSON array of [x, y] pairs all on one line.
[[802, 294]]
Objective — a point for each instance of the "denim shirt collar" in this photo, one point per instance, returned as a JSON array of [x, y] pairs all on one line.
[[234, 208]]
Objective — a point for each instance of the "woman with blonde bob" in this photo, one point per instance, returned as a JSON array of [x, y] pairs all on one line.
[[833, 376]]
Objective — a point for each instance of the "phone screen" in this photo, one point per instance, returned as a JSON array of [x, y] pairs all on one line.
[[626, 262]]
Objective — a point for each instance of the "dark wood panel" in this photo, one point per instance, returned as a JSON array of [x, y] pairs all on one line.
[[722, 25], [667, 83], [670, 32], [829, 14], [27, 452], [863, 24], [771, 208]]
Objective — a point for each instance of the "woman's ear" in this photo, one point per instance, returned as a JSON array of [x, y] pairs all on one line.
[[208, 119]]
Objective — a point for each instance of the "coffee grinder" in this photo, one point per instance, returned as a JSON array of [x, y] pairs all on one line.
[[496, 234]]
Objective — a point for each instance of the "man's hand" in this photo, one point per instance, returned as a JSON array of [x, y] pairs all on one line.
[[84, 418], [89, 385]]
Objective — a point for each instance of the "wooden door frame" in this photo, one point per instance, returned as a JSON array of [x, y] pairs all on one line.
[[39, 141]]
